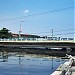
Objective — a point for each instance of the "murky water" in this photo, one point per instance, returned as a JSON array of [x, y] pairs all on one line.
[[27, 64]]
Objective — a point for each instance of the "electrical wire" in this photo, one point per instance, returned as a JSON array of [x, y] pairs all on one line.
[[54, 31], [37, 14]]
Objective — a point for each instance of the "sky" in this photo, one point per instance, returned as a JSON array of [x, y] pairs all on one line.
[[38, 17]]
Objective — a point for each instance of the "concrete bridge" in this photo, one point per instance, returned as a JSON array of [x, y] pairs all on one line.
[[37, 44], [41, 46]]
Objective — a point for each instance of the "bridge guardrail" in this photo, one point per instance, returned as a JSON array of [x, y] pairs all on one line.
[[33, 39]]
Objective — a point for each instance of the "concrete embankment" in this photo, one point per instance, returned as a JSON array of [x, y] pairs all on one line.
[[68, 68]]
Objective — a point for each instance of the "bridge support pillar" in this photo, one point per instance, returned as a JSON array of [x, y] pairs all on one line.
[[68, 49]]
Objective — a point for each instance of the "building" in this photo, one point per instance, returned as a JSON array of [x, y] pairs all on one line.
[[24, 36]]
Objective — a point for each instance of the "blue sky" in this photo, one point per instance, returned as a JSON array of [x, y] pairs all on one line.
[[41, 24]]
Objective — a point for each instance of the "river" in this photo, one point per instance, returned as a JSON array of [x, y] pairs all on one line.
[[16, 63]]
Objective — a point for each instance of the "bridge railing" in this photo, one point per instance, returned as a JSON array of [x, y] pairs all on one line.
[[33, 39]]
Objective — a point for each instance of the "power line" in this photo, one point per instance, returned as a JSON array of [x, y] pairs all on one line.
[[64, 30], [62, 34], [54, 31], [36, 14], [66, 33]]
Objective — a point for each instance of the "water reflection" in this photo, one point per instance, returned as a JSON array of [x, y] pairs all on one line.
[[20, 63], [3, 56]]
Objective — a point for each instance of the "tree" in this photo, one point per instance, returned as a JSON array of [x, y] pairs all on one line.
[[4, 33]]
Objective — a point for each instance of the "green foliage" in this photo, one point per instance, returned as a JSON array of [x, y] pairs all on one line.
[[4, 33]]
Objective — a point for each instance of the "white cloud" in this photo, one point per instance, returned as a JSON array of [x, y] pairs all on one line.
[[26, 11]]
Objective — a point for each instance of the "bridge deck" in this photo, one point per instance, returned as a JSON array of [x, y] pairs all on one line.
[[48, 44]]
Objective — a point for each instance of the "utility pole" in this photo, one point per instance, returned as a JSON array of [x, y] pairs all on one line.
[[52, 34], [20, 30]]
